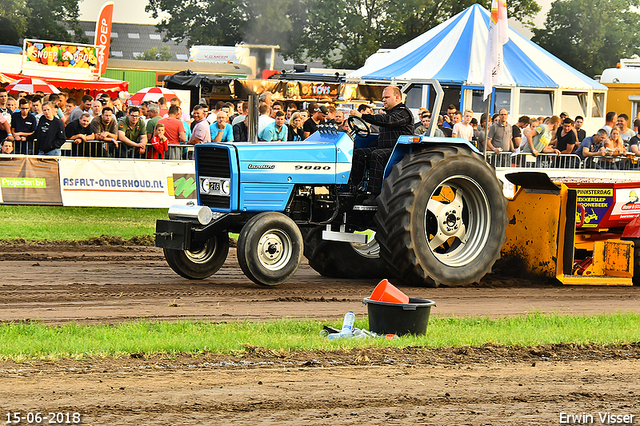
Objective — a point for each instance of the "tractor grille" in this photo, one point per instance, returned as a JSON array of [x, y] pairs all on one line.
[[214, 162]]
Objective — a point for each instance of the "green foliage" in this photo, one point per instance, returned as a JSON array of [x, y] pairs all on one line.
[[48, 18], [37, 223], [341, 32], [13, 14], [214, 22], [155, 54], [227, 22], [40, 19], [8, 33], [591, 35], [34, 340]]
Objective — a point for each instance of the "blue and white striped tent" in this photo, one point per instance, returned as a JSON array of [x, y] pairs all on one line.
[[454, 52]]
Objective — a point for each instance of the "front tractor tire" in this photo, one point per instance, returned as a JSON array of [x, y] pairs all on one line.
[[270, 248], [201, 261], [442, 217]]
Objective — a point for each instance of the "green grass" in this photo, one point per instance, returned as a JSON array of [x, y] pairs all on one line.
[[37, 223], [24, 341]]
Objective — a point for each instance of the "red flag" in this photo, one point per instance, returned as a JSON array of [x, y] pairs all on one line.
[[103, 35]]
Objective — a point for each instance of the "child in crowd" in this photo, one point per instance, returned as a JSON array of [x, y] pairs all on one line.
[[12, 104], [158, 143]]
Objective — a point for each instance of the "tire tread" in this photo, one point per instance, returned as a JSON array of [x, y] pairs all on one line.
[[395, 208]]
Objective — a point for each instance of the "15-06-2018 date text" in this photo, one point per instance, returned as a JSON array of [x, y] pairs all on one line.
[[38, 418]]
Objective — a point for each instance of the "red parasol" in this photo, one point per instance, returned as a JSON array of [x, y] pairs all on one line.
[[151, 94], [31, 85]]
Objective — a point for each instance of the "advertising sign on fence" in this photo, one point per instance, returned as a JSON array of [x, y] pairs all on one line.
[[29, 180], [128, 183]]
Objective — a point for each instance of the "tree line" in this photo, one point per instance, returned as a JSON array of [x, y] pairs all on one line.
[[42, 19], [589, 35]]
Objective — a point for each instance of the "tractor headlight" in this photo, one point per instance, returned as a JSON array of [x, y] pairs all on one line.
[[204, 186], [215, 186], [226, 187]]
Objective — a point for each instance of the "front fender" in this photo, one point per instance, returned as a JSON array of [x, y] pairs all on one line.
[[407, 144]]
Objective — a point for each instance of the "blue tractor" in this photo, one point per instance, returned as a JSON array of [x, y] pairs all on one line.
[[440, 219]]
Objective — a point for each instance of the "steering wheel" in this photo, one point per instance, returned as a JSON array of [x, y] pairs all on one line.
[[358, 126]]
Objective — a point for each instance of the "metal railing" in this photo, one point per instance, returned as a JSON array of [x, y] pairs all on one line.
[[562, 161], [100, 149], [611, 163]]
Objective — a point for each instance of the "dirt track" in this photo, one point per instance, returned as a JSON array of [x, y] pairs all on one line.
[[490, 385], [111, 283]]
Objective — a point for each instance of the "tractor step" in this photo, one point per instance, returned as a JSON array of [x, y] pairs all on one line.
[[343, 236], [346, 237]]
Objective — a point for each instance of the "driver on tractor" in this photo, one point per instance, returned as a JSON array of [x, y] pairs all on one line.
[[396, 121]]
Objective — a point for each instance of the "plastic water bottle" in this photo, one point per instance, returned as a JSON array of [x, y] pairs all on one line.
[[359, 334], [347, 324], [336, 336], [347, 328]]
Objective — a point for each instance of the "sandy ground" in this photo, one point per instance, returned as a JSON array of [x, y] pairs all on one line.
[[109, 284], [477, 386]]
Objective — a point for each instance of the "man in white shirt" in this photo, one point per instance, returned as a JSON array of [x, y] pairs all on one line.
[[264, 119], [463, 129], [623, 124]]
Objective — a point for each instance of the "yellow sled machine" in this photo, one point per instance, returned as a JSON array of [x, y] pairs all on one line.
[[579, 232]]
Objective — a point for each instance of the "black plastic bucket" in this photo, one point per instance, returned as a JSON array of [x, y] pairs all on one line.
[[399, 318]]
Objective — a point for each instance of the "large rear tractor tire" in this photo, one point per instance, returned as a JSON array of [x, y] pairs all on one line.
[[337, 259], [441, 217], [270, 248], [200, 262]]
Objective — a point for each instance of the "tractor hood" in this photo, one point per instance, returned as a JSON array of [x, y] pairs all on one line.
[[317, 160]]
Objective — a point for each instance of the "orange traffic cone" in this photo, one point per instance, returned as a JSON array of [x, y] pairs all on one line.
[[387, 292]]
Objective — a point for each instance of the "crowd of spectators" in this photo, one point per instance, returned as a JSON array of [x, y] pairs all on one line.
[[105, 127], [101, 127], [538, 135]]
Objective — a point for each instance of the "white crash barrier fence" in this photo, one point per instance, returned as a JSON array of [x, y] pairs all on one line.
[[126, 183], [98, 182]]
